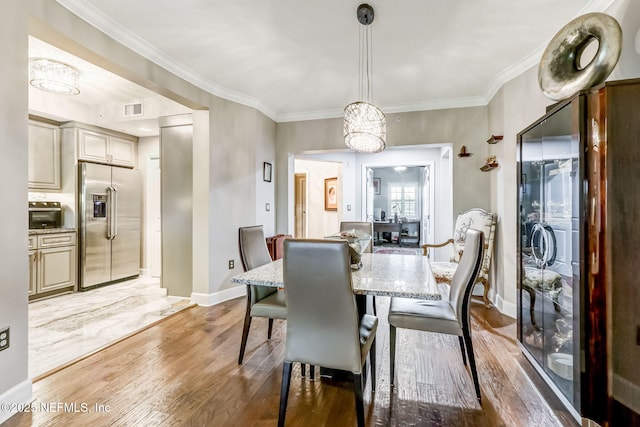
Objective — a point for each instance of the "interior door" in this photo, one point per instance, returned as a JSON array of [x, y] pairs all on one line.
[[300, 205]]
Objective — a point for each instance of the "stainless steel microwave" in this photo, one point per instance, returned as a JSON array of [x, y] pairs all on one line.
[[45, 215]]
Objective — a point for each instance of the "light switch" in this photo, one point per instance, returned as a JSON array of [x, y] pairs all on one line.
[[267, 207], [348, 207]]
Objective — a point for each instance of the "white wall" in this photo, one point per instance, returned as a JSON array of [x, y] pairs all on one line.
[[148, 147], [320, 222]]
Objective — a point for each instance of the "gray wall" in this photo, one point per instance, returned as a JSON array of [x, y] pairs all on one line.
[[461, 126], [519, 103], [13, 193]]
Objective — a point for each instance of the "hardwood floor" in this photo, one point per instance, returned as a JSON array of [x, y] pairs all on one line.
[[184, 372]]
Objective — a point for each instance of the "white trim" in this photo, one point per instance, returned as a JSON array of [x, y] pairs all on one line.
[[505, 307], [115, 30], [21, 394], [218, 297], [118, 32], [626, 392]]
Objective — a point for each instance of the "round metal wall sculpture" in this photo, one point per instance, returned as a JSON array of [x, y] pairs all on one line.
[[560, 74]]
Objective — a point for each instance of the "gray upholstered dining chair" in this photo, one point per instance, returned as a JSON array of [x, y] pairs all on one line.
[[445, 317], [324, 327], [367, 227], [262, 301]]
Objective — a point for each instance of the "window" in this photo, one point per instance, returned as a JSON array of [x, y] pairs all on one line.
[[402, 197]]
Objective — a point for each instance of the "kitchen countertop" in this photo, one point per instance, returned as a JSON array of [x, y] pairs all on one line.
[[33, 231]]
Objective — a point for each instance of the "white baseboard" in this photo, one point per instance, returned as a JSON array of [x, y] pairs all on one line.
[[145, 272], [627, 393], [505, 307], [218, 297], [16, 396]]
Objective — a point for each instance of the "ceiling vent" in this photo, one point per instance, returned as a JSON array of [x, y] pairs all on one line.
[[132, 110]]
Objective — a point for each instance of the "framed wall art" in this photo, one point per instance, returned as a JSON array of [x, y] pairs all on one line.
[[266, 172], [331, 194], [376, 186]]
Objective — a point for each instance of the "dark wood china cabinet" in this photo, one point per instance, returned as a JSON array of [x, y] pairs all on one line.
[[579, 250]]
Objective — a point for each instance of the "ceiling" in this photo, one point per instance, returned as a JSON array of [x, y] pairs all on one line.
[[296, 60]]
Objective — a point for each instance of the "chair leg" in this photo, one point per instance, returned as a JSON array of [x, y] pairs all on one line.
[[284, 392], [472, 362], [270, 329], [245, 335], [357, 388], [464, 356], [372, 359], [373, 304], [485, 283], [392, 351]]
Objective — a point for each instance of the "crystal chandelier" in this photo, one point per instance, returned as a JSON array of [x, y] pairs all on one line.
[[365, 127], [53, 76]]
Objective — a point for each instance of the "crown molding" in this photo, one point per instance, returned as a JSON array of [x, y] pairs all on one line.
[[115, 30]]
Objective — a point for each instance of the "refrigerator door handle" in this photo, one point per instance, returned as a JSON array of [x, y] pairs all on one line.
[[109, 213], [114, 211]]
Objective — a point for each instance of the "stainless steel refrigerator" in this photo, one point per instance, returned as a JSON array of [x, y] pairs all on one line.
[[109, 224]]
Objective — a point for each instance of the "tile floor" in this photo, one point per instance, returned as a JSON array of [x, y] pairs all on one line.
[[67, 327]]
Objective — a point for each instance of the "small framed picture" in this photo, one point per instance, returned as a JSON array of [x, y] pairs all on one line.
[[331, 194], [376, 186], [266, 172]]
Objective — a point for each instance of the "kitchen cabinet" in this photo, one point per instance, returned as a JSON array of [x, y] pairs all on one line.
[[105, 148], [52, 264], [99, 145], [44, 156]]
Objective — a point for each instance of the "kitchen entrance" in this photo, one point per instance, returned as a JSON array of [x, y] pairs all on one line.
[[112, 123]]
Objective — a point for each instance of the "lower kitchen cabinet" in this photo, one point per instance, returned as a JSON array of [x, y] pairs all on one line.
[[52, 264]]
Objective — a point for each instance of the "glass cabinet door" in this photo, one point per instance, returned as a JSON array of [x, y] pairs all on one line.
[[550, 248]]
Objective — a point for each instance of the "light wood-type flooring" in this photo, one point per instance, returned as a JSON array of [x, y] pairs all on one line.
[[184, 372]]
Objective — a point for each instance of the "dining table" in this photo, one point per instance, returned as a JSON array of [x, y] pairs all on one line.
[[391, 275]]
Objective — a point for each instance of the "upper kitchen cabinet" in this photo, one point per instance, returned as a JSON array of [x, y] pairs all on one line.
[[44, 156], [102, 146]]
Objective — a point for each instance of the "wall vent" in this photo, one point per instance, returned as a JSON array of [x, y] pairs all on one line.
[[131, 110]]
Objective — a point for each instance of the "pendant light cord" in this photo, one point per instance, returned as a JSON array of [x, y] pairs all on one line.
[[365, 64]]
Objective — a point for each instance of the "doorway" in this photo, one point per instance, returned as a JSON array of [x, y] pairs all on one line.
[[400, 195], [119, 309]]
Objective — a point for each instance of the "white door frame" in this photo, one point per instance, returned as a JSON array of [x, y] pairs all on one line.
[[367, 192]]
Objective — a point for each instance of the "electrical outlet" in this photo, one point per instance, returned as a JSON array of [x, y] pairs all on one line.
[[231, 264], [4, 338]]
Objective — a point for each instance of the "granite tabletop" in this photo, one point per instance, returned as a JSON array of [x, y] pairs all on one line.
[[407, 276]]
